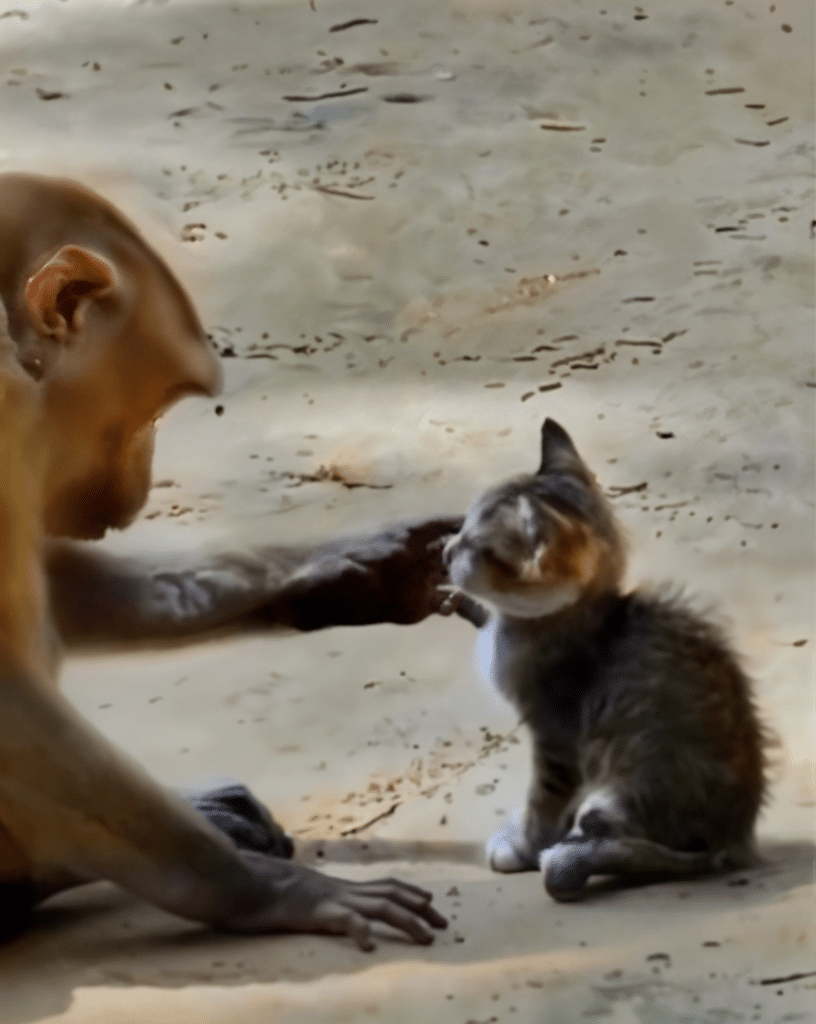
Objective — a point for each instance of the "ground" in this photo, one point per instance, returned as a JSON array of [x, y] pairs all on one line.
[[580, 208]]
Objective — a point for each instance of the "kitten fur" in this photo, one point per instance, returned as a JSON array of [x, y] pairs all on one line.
[[648, 755]]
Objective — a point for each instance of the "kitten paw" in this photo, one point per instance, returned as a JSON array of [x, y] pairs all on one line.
[[566, 868], [507, 850]]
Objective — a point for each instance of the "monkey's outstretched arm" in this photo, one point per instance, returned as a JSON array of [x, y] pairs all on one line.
[[98, 598], [391, 575]]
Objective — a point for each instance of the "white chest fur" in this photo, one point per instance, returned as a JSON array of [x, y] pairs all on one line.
[[506, 663], [486, 651]]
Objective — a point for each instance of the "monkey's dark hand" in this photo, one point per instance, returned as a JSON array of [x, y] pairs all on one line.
[[303, 900], [233, 810], [390, 576]]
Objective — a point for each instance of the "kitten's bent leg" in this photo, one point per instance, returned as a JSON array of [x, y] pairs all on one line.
[[568, 865]]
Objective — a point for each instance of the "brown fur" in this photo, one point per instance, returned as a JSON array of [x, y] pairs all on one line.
[[647, 750], [97, 338]]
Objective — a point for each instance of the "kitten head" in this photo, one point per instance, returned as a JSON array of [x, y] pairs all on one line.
[[539, 543]]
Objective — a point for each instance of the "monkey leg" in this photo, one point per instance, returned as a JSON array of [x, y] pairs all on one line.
[[235, 812], [568, 865]]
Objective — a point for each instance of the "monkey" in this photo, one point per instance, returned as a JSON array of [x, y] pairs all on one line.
[[648, 752], [97, 339]]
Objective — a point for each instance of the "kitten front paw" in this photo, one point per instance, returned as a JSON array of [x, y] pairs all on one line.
[[508, 851]]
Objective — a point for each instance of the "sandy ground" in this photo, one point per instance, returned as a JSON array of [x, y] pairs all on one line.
[[403, 283]]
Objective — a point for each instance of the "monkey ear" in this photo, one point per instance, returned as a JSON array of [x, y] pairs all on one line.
[[59, 295], [558, 453]]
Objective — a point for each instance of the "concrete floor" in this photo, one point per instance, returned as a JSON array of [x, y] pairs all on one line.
[[404, 290]]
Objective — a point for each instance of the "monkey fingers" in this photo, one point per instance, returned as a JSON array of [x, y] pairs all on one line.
[[410, 896], [338, 920], [405, 907], [304, 900], [457, 602], [380, 909], [417, 900], [389, 576]]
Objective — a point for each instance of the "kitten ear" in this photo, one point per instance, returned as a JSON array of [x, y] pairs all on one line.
[[558, 453]]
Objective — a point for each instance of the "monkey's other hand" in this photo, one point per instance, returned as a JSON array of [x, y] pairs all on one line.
[[390, 576], [233, 810], [303, 900]]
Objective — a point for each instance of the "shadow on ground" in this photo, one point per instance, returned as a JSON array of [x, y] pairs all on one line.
[[101, 936]]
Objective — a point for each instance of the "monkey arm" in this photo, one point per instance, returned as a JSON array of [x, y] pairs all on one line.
[[80, 810], [391, 575], [75, 803], [98, 598]]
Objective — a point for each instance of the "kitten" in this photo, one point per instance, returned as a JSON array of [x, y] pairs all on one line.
[[648, 756]]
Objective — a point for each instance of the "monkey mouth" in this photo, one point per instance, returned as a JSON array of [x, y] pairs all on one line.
[[96, 506]]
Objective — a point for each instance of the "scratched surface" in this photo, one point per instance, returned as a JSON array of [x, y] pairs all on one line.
[[414, 230]]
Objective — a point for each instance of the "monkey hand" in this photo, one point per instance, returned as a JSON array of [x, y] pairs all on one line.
[[303, 900], [390, 576]]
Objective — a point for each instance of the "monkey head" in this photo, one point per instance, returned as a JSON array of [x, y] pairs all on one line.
[[111, 339]]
